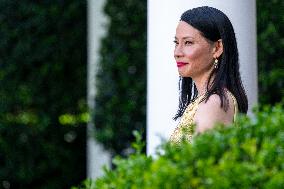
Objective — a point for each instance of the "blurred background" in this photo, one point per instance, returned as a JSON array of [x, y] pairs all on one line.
[[43, 76]]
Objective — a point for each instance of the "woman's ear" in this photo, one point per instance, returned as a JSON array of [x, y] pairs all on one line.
[[218, 48]]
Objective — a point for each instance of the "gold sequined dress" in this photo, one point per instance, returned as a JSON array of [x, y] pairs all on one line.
[[185, 127]]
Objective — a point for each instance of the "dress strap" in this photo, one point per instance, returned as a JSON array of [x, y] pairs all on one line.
[[235, 105]]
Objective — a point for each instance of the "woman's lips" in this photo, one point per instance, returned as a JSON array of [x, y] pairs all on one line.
[[180, 64]]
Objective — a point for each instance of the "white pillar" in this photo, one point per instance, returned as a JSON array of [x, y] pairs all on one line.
[[96, 155], [162, 86]]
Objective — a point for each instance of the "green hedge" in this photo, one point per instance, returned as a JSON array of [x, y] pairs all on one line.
[[248, 154], [121, 81], [270, 43], [42, 76]]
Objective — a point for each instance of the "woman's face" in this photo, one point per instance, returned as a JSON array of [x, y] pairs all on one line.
[[193, 53]]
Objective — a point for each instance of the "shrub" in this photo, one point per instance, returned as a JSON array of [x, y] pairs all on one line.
[[270, 43], [42, 76], [121, 80], [248, 154]]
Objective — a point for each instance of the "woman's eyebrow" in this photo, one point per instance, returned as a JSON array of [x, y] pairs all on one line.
[[186, 37]]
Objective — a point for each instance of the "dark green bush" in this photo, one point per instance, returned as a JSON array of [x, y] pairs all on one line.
[[248, 154], [42, 76], [270, 43], [121, 81]]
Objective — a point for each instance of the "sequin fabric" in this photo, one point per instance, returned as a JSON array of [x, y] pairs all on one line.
[[184, 130]]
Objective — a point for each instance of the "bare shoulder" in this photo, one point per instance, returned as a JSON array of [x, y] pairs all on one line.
[[212, 102], [210, 113]]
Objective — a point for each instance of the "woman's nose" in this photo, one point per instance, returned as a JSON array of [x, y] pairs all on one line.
[[178, 51]]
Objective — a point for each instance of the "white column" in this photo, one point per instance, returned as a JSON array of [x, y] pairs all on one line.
[[162, 86], [96, 155]]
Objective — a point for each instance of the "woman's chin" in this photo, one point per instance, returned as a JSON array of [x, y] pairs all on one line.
[[182, 74]]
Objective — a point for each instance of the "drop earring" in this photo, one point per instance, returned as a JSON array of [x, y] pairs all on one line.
[[215, 63]]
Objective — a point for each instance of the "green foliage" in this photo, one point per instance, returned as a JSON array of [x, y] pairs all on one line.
[[248, 154], [70, 119], [121, 97], [270, 42], [42, 76]]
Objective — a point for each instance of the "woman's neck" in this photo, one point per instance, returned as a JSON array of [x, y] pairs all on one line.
[[201, 84]]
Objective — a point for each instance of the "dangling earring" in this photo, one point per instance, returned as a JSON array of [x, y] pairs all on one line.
[[215, 63]]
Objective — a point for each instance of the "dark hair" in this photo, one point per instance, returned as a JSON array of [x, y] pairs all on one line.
[[214, 25]]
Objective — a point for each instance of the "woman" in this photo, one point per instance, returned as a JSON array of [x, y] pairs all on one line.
[[207, 59]]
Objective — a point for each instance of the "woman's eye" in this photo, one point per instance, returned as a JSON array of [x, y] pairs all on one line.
[[188, 42], [175, 42]]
